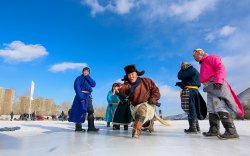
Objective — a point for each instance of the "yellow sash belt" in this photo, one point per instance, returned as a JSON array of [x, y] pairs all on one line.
[[192, 87], [84, 91], [115, 104]]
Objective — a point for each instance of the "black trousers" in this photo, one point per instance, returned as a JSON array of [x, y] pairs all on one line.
[[90, 109]]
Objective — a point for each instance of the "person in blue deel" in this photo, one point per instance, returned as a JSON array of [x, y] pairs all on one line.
[[82, 103], [113, 101]]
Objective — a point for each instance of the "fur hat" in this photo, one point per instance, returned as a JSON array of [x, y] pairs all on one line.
[[125, 78], [132, 68], [185, 65]]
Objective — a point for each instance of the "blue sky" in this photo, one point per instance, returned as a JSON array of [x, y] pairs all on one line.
[[50, 41]]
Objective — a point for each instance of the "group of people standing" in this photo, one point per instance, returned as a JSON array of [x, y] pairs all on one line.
[[137, 97]]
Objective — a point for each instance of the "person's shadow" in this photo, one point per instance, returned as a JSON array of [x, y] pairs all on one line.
[[52, 129], [9, 142]]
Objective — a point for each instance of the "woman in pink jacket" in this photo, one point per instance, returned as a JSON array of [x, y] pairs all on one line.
[[221, 99]]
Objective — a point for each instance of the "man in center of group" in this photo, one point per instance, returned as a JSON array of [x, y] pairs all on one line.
[[143, 95]]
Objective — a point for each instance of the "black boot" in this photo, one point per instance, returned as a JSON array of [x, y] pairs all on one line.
[[79, 128], [116, 127], [214, 122], [125, 127], [228, 124], [108, 124], [91, 126], [192, 127], [197, 126]]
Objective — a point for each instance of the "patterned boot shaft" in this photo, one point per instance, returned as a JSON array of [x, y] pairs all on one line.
[[137, 129], [214, 122], [197, 126], [230, 129]]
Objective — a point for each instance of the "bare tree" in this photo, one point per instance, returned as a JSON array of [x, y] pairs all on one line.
[[100, 111]]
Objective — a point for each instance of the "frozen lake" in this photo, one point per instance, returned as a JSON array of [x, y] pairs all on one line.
[[58, 138]]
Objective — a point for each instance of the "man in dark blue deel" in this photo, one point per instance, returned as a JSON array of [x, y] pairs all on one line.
[[83, 101], [191, 100]]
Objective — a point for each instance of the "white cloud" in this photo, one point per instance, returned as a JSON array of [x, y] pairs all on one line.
[[17, 51], [222, 32], [60, 67], [168, 92], [118, 6], [170, 100], [94, 5], [242, 61], [191, 10], [124, 6], [183, 9], [238, 71], [227, 30]]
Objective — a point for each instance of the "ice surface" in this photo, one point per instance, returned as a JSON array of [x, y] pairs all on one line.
[[58, 138]]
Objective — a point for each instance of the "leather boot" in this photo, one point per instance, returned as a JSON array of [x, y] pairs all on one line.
[[214, 122], [125, 127], [91, 126], [79, 128], [137, 129], [116, 127], [192, 127], [197, 126], [229, 126]]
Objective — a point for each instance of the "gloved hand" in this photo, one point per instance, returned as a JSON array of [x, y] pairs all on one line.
[[217, 85], [150, 101]]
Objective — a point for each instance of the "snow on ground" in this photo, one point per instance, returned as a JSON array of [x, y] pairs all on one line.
[[58, 138]]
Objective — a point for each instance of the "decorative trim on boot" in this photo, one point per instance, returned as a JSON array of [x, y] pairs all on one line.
[[230, 129], [197, 126], [214, 122]]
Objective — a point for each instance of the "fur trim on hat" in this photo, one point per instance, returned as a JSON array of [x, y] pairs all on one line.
[[132, 68]]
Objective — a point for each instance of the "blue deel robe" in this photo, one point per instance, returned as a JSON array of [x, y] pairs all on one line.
[[110, 111], [80, 103]]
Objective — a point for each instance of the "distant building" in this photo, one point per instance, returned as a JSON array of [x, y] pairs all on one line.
[[23, 105], [1, 99], [41, 106], [44, 106], [6, 100]]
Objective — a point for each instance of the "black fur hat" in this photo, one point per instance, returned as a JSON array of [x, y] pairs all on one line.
[[132, 68], [125, 78]]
